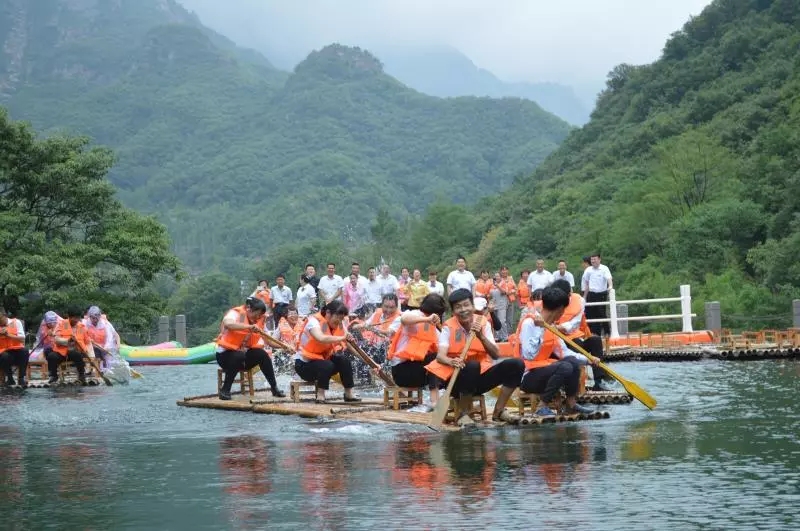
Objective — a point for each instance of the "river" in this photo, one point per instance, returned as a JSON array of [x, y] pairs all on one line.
[[722, 451]]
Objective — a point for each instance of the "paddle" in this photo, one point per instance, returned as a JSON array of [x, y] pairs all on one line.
[[93, 363], [440, 412], [134, 373], [383, 375], [277, 342], [631, 387]]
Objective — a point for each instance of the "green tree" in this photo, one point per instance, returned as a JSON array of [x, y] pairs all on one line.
[[204, 300]]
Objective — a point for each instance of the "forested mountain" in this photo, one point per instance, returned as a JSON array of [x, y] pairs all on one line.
[[235, 156]]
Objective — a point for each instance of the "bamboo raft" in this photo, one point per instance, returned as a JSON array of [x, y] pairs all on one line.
[[38, 378], [766, 352]]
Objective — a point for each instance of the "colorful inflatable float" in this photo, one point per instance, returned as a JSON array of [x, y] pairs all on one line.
[[170, 353]]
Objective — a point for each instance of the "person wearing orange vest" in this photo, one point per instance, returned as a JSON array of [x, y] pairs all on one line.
[[484, 285], [415, 345], [241, 347], [548, 368], [479, 372], [102, 334], [504, 301], [573, 325], [317, 359], [12, 348], [290, 327], [71, 342], [383, 323]]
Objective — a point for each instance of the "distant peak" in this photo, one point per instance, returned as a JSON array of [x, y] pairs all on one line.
[[339, 62]]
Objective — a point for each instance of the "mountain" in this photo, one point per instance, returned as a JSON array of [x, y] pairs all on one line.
[[235, 156]]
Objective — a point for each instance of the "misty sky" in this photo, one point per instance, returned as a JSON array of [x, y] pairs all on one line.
[[574, 42]]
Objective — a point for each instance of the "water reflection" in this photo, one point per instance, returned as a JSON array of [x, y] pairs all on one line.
[[12, 464], [246, 465]]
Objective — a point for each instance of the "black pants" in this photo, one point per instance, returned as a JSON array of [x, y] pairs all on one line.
[[233, 361], [413, 374], [470, 381], [18, 357], [320, 371], [546, 381], [593, 345], [54, 359], [597, 312]]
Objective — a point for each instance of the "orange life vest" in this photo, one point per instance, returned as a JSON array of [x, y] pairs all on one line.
[[575, 307], [65, 331], [418, 340], [458, 338], [265, 296], [311, 349], [11, 343], [484, 287], [508, 288], [239, 339], [524, 292], [97, 335], [543, 357], [289, 334], [379, 323]]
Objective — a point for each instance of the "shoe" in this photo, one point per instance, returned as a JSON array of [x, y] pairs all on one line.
[[505, 416], [22, 382], [53, 379], [599, 387], [352, 399], [277, 393], [465, 420], [224, 395], [545, 412], [583, 410], [10, 381]]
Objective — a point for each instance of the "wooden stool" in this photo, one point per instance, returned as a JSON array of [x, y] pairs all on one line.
[[582, 380], [245, 381], [534, 401], [300, 387], [392, 394], [40, 366], [478, 406]]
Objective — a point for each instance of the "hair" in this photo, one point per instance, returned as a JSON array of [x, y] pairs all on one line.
[[484, 271], [459, 257], [432, 272], [459, 295], [554, 298], [351, 275], [502, 267], [280, 276], [537, 294], [370, 269], [291, 308], [563, 285], [263, 280], [433, 303], [389, 297], [586, 259], [256, 305], [524, 271], [334, 308], [403, 269], [593, 255], [562, 260], [304, 278], [330, 264], [74, 311], [355, 263], [310, 265]]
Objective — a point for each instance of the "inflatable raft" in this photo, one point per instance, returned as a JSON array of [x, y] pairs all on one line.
[[170, 355]]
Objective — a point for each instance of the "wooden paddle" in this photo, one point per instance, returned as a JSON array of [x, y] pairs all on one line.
[[631, 387], [353, 347], [135, 374], [277, 343], [96, 367], [440, 412]]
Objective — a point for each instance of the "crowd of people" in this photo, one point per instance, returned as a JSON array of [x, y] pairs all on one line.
[[401, 320]]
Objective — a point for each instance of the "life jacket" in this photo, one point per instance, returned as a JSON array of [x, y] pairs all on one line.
[[11, 343], [575, 307], [311, 349], [239, 339], [402, 290], [97, 335], [484, 287], [550, 345], [413, 342], [523, 292], [458, 338], [265, 296], [507, 287], [65, 331], [289, 334], [381, 324]]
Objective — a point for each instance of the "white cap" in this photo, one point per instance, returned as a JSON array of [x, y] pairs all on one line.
[[480, 304]]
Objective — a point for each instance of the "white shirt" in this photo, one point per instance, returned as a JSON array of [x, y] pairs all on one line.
[[437, 287], [20, 327], [388, 284], [444, 335], [596, 279], [460, 279], [281, 295], [373, 288], [362, 281], [329, 286], [233, 315], [538, 280], [405, 333], [306, 297], [311, 322], [567, 276]]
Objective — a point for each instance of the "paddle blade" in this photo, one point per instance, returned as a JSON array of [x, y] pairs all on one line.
[[440, 411], [633, 389]]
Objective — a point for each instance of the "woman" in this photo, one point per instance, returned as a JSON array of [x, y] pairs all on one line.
[[402, 288], [355, 296], [306, 297], [417, 290], [484, 285], [414, 346], [316, 360]]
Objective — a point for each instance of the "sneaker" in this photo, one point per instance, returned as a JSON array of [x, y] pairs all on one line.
[[277, 393], [465, 420], [53, 379], [224, 395], [22, 382], [505, 416], [579, 409], [601, 388], [545, 412], [10, 381]]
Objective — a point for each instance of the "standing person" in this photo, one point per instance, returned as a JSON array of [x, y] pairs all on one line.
[[311, 273], [281, 295], [595, 284], [434, 286], [563, 274], [330, 286], [417, 290], [355, 296], [241, 347], [484, 285], [541, 278], [387, 281], [355, 269], [306, 297], [460, 278], [263, 293], [523, 291], [504, 305], [70, 343], [402, 288], [373, 292], [12, 348]]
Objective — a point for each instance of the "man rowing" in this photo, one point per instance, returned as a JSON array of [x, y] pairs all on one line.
[[71, 342], [12, 348]]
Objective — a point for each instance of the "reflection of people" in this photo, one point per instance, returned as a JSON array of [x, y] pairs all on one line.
[[473, 462], [413, 465], [556, 454], [244, 463]]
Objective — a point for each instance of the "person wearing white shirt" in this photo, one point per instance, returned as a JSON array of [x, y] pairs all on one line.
[[434, 286], [540, 278], [281, 296], [355, 295], [14, 351], [306, 297], [331, 286], [373, 288], [387, 281], [595, 283], [460, 278], [544, 375], [355, 269], [563, 274]]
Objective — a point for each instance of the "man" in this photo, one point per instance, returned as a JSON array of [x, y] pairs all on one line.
[[330, 286], [572, 324], [12, 348], [387, 281], [563, 274], [504, 302], [373, 288], [434, 286], [241, 347], [355, 269], [523, 290], [281, 296], [595, 283], [460, 278], [547, 367], [311, 273], [71, 342], [479, 373], [540, 278], [402, 284]]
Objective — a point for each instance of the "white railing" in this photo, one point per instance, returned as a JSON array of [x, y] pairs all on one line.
[[685, 316]]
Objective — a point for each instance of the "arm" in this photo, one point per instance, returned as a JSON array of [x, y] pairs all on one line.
[[530, 340], [317, 334], [444, 347], [610, 280], [231, 323], [483, 332], [409, 318]]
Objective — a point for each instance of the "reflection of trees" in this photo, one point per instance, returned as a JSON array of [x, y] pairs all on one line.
[[12, 471]]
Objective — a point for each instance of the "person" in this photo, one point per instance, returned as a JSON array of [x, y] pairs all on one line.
[[71, 342], [434, 286], [355, 269], [415, 345], [331, 286], [478, 373], [12, 349], [373, 287], [311, 274], [417, 289], [102, 334], [383, 323], [563, 274], [240, 346], [572, 324], [402, 288], [355, 296], [290, 328], [306, 297], [281, 296], [460, 278], [540, 278], [387, 280], [44, 337], [523, 291], [484, 285], [263, 293], [595, 283], [505, 302], [547, 368], [316, 360]]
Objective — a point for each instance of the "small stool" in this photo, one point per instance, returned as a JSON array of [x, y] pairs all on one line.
[[582, 380], [245, 381], [40, 366], [300, 387], [66, 368], [392, 394], [478, 406]]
